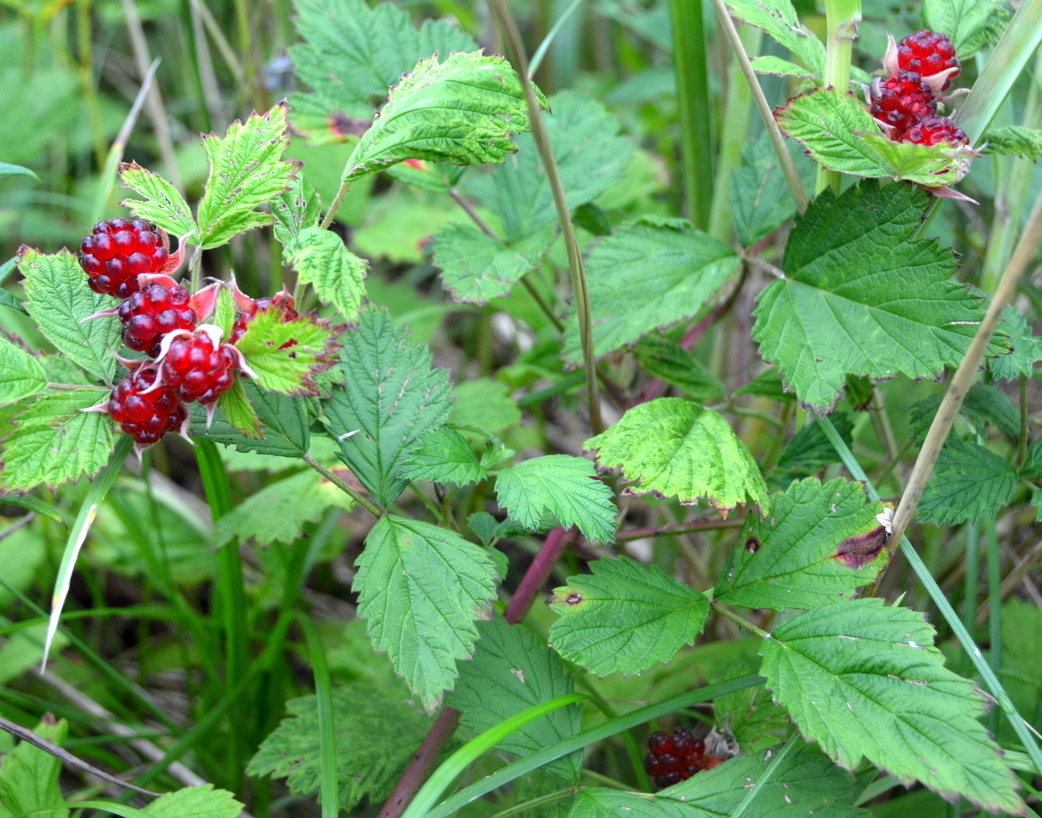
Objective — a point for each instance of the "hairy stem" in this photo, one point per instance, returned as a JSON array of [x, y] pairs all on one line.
[[363, 501], [841, 19]]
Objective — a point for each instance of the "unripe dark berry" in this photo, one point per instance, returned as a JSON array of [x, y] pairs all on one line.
[[118, 251], [150, 313]]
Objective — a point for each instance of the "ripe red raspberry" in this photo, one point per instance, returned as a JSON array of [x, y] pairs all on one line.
[[118, 251], [281, 302], [198, 367], [927, 53], [152, 312], [935, 130], [144, 413], [675, 757], [901, 100]]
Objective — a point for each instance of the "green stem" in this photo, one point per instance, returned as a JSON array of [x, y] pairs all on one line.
[[727, 613], [841, 19], [693, 108], [329, 787], [338, 200], [541, 137], [365, 503]]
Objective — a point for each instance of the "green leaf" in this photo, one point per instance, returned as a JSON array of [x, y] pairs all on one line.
[[20, 373], [53, 441], [278, 512], [7, 169], [819, 544], [778, 18], [321, 259], [511, 671], [195, 802], [285, 356], [1021, 666], [420, 588], [391, 399], [58, 299], [644, 277], [484, 403], [930, 165], [562, 487], [245, 173], [903, 710], [969, 482], [760, 198], [238, 412], [805, 783], [624, 617], [991, 404], [351, 54], [295, 209], [675, 448], [162, 204], [663, 359], [863, 296], [810, 449], [462, 110], [779, 67], [1014, 140], [445, 456], [377, 731], [29, 778], [284, 428], [966, 22], [477, 268], [590, 157], [1026, 347]]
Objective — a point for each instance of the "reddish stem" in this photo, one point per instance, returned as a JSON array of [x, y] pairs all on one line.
[[537, 573]]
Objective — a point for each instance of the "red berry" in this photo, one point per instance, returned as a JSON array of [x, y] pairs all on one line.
[[927, 53], [198, 368], [660, 743], [152, 312], [668, 780], [118, 251], [145, 415], [282, 303], [901, 100], [935, 130], [686, 745]]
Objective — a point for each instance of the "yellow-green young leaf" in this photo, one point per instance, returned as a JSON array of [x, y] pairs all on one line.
[[863, 296], [512, 670], [58, 299], [245, 172], [295, 209], [378, 729], [624, 617], [238, 412], [29, 777], [351, 54], [477, 268], [676, 448], [53, 442], [643, 277], [420, 589], [804, 784], [969, 482], [461, 111], [931, 165], [778, 18], [818, 544], [162, 205], [196, 802], [901, 709], [321, 259], [285, 356], [564, 488], [20, 373]]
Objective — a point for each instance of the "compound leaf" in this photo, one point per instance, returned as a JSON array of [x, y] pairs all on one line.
[[321, 259], [676, 448], [285, 356], [392, 398], [902, 710], [377, 732], [778, 18], [560, 486], [818, 544], [163, 205], [445, 456], [624, 617], [20, 373], [862, 296], [245, 172], [644, 277], [53, 441], [196, 802], [970, 482], [462, 111], [511, 671], [420, 589], [59, 300]]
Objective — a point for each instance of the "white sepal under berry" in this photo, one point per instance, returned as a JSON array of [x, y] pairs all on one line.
[[212, 331], [938, 81]]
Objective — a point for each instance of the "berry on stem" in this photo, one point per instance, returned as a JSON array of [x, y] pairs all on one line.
[[144, 410], [935, 130], [197, 365], [118, 251], [929, 53], [153, 311], [901, 100]]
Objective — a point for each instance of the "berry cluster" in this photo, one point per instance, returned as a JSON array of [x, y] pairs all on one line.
[[905, 103], [189, 362], [676, 756]]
